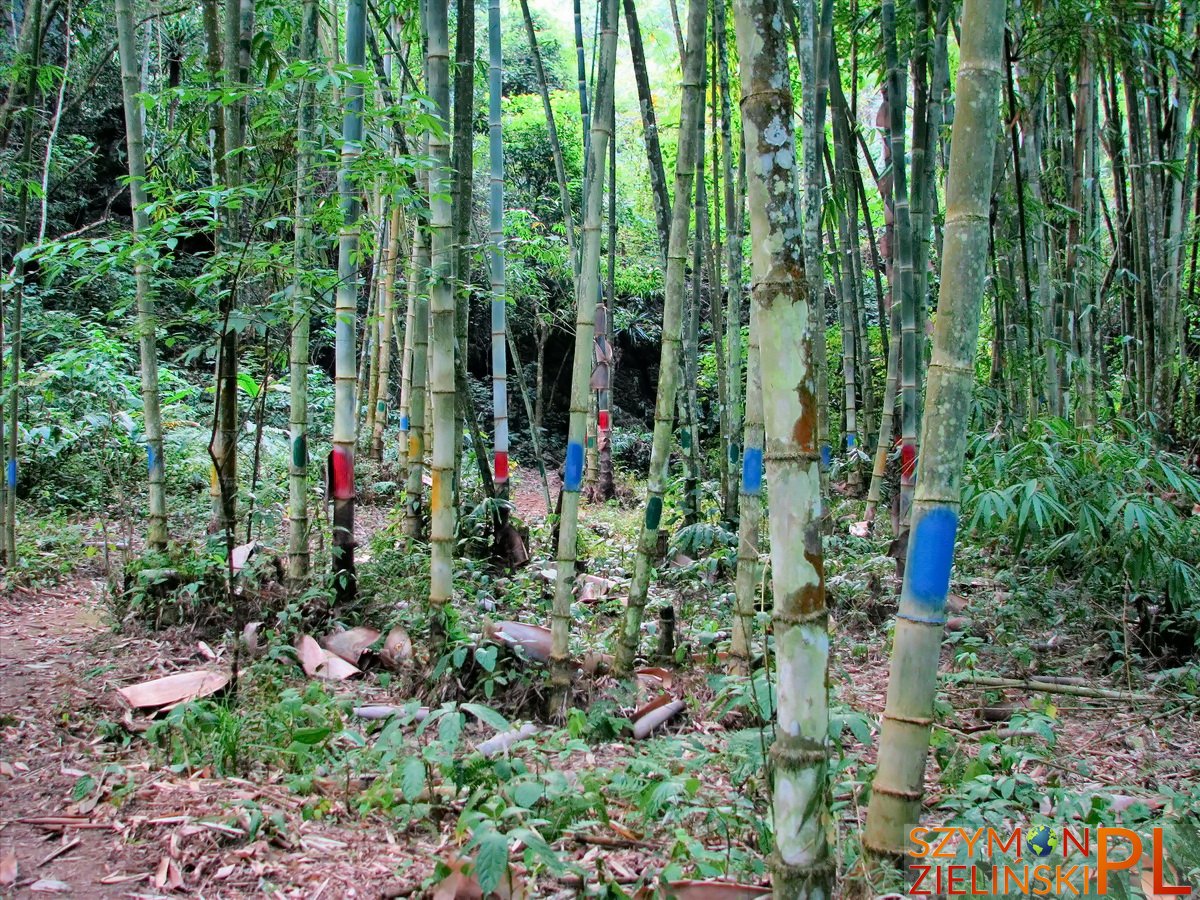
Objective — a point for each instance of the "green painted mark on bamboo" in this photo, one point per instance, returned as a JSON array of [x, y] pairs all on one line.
[[300, 451], [653, 513], [685, 439]]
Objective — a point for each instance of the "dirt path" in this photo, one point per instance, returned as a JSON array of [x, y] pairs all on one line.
[[83, 812]]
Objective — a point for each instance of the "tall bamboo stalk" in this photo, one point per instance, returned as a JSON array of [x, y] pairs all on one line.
[[496, 255], [412, 419], [443, 337], [298, 552], [135, 140], [658, 179], [904, 740], [750, 509], [462, 164], [674, 288], [910, 345], [581, 370], [33, 15], [560, 170], [239, 33], [790, 328], [345, 408], [734, 216]]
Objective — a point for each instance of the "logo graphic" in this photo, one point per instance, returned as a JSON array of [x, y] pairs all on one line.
[[1041, 840]]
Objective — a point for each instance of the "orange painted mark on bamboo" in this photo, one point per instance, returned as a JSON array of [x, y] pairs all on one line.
[[435, 489], [804, 432], [414, 447]]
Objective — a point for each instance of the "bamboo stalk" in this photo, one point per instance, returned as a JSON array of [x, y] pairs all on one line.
[[443, 335], [345, 409], [496, 255], [674, 288], [904, 739], [791, 330], [156, 530], [561, 668]]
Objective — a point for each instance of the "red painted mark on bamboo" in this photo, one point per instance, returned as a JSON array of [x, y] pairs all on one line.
[[501, 465], [908, 461], [342, 474], [603, 419]]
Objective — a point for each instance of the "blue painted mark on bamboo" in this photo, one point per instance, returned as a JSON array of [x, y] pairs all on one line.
[[849, 442], [151, 458], [573, 473], [653, 513], [826, 455], [12, 473], [752, 470], [930, 557], [404, 423]]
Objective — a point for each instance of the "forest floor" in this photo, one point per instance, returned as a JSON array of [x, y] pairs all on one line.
[[89, 806]]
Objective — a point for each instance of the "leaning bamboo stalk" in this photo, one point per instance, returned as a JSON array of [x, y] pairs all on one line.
[[904, 739], [587, 291], [387, 298], [658, 180], [560, 170], [674, 289]]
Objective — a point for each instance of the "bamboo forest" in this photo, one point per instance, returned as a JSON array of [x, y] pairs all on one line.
[[697, 449]]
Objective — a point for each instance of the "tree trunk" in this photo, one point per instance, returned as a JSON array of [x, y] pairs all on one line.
[[904, 740]]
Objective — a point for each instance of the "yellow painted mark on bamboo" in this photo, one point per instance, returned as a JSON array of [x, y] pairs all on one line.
[[414, 447], [435, 490]]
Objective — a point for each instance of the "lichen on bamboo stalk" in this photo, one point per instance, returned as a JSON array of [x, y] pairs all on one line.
[[789, 330]]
